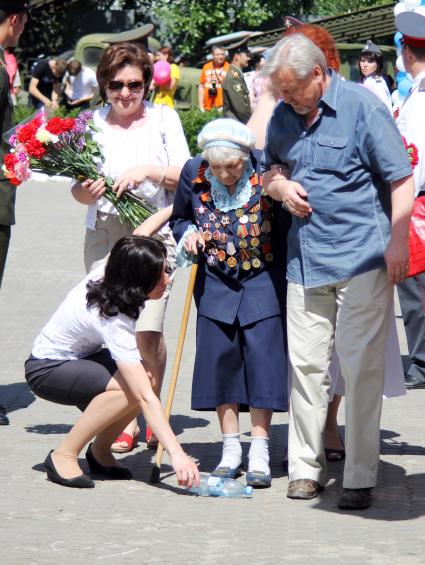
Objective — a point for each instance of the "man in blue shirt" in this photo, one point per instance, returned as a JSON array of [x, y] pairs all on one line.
[[350, 196]]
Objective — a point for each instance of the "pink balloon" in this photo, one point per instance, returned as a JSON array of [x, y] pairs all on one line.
[[161, 72]]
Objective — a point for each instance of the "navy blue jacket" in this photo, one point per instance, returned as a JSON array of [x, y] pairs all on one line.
[[246, 281]]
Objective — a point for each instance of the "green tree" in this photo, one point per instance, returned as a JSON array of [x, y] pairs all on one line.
[[189, 23]]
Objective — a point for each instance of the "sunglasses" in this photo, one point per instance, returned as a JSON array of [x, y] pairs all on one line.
[[132, 85]]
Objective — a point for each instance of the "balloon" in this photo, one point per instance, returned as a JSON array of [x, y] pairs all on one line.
[[400, 65], [399, 77], [403, 87], [420, 10], [423, 3], [397, 39], [161, 72], [411, 5], [398, 51], [399, 8]]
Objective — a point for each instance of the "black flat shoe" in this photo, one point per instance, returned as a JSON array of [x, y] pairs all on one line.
[[117, 473], [82, 481]]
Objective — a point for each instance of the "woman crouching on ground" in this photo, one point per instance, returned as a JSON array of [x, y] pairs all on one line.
[[110, 385]]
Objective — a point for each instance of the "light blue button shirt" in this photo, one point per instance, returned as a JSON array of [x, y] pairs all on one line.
[[345, 161]]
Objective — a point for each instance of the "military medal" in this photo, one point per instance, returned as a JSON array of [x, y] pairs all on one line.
[[254, 230], [243, 219], [225, 220], [242, 231], [231, 262], [211, 260], [212, 217], [255, 242], [216, 235], [256, 263], [244, 254], [207, 235], [239, 213], [253, 218], [217, 225], [230, 248], [243, 244], [223, 238], [255, 208], [246, 265], [221, 255], [268, 257], [266, 247]]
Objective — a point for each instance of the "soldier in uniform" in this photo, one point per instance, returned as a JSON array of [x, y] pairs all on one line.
[[13, 17], [411, 123], [140, 36], [239, 291], [236, 102]]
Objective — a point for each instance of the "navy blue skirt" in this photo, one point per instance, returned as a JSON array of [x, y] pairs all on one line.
[[244, 365]]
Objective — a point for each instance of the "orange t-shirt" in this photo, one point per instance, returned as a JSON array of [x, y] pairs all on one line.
[[209, 75]]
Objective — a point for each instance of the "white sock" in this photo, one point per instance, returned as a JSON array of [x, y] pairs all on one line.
[[259, 455], [232, 451]]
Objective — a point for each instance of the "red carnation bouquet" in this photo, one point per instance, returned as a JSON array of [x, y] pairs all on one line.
[[412, 152], [64, 146]]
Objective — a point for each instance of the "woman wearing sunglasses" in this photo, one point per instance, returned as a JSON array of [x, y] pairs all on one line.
[[144, 149]]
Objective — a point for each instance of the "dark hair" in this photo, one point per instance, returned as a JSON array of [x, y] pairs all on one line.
[[373, 58], [418, 52], [74, 67], [5, 13], [132, 271], [117, 56], [60, 66], [168, 52]]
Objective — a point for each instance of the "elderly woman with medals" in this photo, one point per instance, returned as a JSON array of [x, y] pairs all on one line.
[[221, 212]]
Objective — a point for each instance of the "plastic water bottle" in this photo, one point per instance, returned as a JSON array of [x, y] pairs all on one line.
[[216, 486]]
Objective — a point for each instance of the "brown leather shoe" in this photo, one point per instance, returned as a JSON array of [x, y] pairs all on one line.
[[355, 498], [304, 489]]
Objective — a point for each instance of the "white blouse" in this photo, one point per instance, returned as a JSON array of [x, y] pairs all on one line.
[[123, 149], [74, 331]]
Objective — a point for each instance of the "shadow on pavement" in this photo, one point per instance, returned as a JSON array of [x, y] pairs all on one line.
[[15, 396], [397, 497], [48, 429], [178, 424]]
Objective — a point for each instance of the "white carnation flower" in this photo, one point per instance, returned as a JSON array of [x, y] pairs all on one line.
[[45, 136]]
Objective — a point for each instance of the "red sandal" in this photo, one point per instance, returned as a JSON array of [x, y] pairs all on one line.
[[151, 439], [129, 440]]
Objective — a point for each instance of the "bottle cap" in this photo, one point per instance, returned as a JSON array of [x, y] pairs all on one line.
[[248, 491]]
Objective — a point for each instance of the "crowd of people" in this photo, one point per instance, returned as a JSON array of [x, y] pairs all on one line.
[[299, 205]]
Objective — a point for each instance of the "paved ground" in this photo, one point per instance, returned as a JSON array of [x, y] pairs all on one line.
[[137, 522]]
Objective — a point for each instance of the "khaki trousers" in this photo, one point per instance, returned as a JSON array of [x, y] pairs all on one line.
[[354, 314]]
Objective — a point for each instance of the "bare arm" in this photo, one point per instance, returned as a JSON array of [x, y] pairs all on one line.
[[290, 193], [33, 90], [262, 114], [89, 191], [155, 222], [139, 387], [397, 251], [201, 97]]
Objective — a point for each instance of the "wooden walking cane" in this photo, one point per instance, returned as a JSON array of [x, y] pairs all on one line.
[[156, 469]]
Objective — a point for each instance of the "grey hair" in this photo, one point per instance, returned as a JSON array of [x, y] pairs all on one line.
[[221, 154], [295, 52]]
